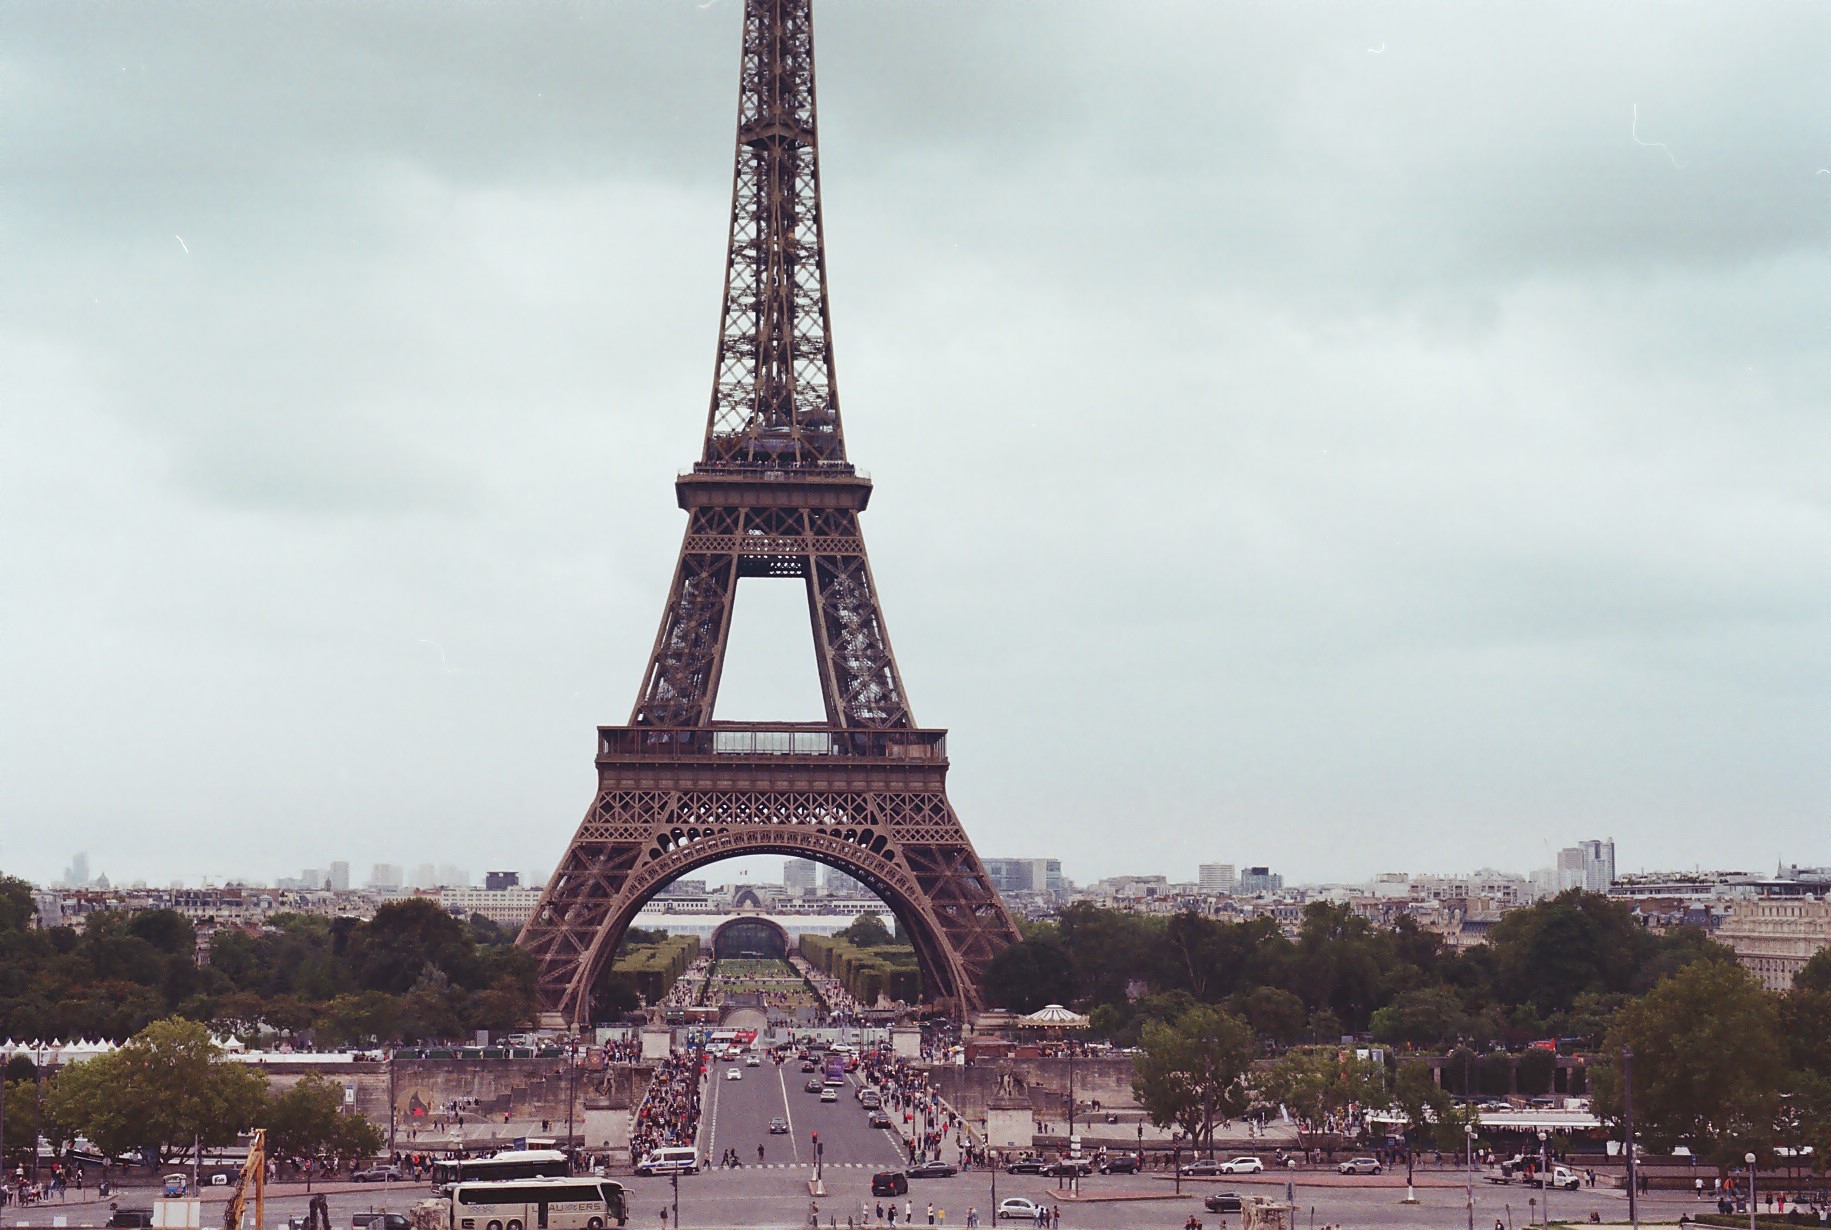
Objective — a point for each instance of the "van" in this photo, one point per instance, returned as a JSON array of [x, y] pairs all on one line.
[[674, 1159], [889, 1183]]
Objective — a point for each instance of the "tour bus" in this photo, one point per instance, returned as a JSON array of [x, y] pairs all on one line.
[[505, 1165], [539, 1204]]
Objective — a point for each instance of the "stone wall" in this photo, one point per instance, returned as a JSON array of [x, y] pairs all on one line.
[[526, 1090], [1042, 1082]]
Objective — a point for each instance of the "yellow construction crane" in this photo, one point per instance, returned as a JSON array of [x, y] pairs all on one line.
[[255, 1169]]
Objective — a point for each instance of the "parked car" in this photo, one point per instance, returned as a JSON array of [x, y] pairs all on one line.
[[889, 1183], [1017, 1209], [932, 1170], [1360, 1165], [1223, 1202], [1242, 1165], [1025, 1165], [1070, 1168], [377, 1174], [778, 1126]]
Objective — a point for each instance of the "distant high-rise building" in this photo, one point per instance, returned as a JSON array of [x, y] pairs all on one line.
[[1026, 875], [799, 876], [77, 874], [1255, 880], [339, 877], [312, 877], [1217, 878], [836, 883], [385, 876], [427, 876], [496, 881], [453, 877], [1588, 865]]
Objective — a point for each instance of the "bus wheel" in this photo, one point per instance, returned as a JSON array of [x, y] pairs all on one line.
[[495, 1225], [596, 1223], [514, 1223]]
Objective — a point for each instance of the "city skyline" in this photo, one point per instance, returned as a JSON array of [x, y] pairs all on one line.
[[1588, 854], [1384, 483]]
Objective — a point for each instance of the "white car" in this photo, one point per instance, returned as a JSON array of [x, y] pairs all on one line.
[[1017, 1208], [829, 1094], [734, 1074], [1241, 1165], [751, 1061]]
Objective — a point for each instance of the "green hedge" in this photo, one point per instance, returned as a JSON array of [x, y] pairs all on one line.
[[866, 973], [653, 968]]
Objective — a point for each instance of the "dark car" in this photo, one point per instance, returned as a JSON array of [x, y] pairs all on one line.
[[932, 1170], [380, 1221], [807, 1065], [813, 1086], [1222, 1202], [778, 1127], [1201, 1168], [879, 1119], [1119, 1165], [131, 1219], [889, 1183], [1025, 1165], [377, 1174], [1077, 1168]]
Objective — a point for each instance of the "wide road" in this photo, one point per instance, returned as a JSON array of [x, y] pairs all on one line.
[[777, 1200], [736, 1115]]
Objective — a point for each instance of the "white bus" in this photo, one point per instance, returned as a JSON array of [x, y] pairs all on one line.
[[505, 1165], [539, 1204]]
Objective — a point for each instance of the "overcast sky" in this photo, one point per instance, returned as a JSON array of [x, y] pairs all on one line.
[[1350, 437]]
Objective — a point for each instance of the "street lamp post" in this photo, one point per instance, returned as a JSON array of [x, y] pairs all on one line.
[[1468, 1132], [1750, 1159], [1627, 1115], [1545, 1183]]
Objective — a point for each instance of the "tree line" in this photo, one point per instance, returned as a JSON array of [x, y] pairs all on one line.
[[169, 1089], [411, 973], [1239, 1018], [1561, 968]]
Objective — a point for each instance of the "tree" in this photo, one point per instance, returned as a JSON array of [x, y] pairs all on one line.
[[1815, 974], [1708, 1063], [1275, 1013], [17, 904], [1430, 1113], [1420, 1018], [308, 1121], [1192, 1073], [1318, 1084], [1028, 974], [868, 931], [167, 1087]]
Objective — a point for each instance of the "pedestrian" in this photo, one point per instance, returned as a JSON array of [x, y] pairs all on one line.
[[664, 1217], [931, 1212]]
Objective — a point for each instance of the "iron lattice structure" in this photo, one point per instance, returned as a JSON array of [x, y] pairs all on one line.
[[772, 496]]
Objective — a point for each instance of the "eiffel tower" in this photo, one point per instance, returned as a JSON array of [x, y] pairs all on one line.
[[772, 496]]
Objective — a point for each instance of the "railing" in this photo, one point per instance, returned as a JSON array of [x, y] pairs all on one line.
[[777, 470], [679, 743]]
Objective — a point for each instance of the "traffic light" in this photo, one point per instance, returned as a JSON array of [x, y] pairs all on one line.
[[816, 1137]]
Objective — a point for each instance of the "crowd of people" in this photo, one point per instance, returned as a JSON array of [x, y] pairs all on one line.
[[669, 1113]]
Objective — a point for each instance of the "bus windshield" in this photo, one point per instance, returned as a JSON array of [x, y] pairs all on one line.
[[539, 1204], [510, 1164]]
